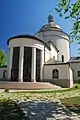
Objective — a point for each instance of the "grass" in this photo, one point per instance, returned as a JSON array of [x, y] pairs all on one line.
[[73, 101], [77, 84], [45, 91], [52, 91], [40, 94]]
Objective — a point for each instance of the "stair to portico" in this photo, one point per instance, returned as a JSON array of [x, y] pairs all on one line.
[[28, 85]]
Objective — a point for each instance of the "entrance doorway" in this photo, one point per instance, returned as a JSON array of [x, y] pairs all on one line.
[[38, 64], [15, 64], [27, 64]]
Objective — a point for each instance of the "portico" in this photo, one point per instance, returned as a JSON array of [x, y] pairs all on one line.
[[27, 67], [25, 63]]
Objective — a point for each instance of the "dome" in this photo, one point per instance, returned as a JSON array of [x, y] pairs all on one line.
[[50, 25], [52, 32]]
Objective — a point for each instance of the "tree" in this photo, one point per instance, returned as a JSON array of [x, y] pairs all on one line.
[[70, 9], [2, 58]]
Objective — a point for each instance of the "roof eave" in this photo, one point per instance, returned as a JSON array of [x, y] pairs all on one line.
[[28, 36]]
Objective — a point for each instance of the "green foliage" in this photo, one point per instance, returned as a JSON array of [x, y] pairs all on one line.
[[71, 9], [76, 86], [72, 101], [6, 90], [78, 81], [2, 58]]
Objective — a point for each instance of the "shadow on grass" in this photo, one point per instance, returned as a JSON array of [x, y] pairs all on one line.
[[34, 110], [72, 103], [9, 110], [74, 109], [45, 110]]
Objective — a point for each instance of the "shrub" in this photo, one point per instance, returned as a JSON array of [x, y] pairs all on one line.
[[76, 86], [6, 90], [78, 81]]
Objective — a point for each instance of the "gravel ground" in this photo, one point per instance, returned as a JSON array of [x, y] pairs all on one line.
[[44, 106], [47, 110]]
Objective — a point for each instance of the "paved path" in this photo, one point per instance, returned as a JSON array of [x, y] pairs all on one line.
[[46, 110]]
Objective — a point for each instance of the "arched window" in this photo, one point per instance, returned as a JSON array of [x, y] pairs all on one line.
[[55, 73], [62, 58], [78, 73]]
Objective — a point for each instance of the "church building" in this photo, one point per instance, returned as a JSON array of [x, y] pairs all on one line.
[[44, 57]]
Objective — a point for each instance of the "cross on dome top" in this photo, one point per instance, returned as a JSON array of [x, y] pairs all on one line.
[[50, 17]]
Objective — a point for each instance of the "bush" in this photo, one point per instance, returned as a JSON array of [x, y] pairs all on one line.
[[6, 90], [78, 81], [76, 86]]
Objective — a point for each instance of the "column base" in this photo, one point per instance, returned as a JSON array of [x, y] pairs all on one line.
[[20, 80], [33, 80]]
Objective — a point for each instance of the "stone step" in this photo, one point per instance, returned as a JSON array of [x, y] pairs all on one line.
[[28, 85]]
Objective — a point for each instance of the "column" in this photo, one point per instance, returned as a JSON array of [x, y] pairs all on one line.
[[33, 73], [10, 62], [42, 63], [21, 60]]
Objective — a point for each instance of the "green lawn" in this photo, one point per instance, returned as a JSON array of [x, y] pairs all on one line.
[[75, 87], [73, 101], [41, 94], [73, 104]]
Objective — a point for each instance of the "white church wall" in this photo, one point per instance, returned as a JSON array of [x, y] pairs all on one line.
[[63, 71], [60, 40], [26, 42], [47, 54], [2, 70], [50, 53], [64, 76], [53, 52], [51, 61], [76, 67], [63, 47]]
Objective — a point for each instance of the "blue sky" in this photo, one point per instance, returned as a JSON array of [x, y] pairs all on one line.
[[27, 16]]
